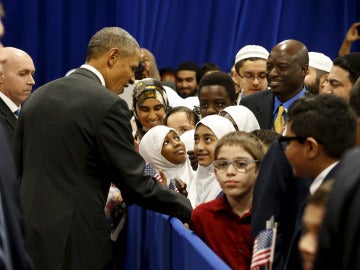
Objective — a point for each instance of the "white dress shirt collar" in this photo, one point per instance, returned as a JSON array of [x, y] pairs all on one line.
[[96, 72], [320, 178], [12, 106]]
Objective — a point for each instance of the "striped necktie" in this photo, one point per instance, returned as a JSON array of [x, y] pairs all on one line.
[[279, 120]]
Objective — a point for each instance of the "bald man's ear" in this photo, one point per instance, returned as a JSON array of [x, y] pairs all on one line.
[[304, 70]]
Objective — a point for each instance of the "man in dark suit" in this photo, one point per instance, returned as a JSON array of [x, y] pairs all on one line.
[[15, 256], [286, 69], [72, 140], [314, 129], [16, 82], [339, 237]]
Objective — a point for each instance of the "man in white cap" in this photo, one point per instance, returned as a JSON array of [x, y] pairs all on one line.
[[319, 68], [250, 66]]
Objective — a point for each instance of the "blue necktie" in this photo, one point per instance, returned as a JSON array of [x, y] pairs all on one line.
[[17, 112]]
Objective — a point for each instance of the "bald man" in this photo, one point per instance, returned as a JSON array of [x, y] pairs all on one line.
[[16, 82], [286, 69]]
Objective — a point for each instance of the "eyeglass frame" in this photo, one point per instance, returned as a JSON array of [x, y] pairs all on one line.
[[285, 140], [252, 77], [231, 162]]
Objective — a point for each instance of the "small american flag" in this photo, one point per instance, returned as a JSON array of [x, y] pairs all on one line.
[[263, 248], [150, 170]]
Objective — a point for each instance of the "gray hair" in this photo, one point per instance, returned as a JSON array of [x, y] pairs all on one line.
[[111, 37]]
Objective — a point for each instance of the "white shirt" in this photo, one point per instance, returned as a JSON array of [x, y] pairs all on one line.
[[320, 178], [97, 73], [12, 106]]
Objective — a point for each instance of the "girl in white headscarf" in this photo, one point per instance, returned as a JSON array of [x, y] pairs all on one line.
[[162, 148], [208, 131], [242, 118]]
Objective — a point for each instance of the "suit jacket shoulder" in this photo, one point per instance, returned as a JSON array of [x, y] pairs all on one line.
[[261, 104], [7, 118]]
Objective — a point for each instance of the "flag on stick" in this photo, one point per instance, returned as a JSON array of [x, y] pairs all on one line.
[[264, 246]]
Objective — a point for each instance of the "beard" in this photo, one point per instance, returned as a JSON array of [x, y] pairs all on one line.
[[313, 87]]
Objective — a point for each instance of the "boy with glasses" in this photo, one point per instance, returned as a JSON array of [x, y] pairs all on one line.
[[318, 132], [250, 66], [224, 223]]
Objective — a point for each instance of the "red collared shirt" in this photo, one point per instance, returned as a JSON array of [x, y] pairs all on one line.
[[227, 234]]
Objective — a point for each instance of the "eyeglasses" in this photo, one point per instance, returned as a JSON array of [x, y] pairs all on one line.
[[251, 77], [240, 164], [284, 141]]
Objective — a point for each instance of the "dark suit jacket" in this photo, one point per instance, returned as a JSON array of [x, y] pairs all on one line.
[[294, 261], [73, 138], [278, 193], [10, 193], [7, 118], [262, 105], [339, 238]]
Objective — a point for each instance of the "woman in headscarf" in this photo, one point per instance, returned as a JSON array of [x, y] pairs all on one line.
[[208, 131], [150, 104], [162, 148]]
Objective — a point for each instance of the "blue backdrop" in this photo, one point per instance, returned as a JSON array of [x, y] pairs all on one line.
[[55, 32]]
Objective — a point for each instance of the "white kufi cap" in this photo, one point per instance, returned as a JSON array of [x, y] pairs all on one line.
[[249, 51], [320, 61]]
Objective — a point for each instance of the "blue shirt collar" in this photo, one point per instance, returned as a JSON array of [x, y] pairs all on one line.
[[287, 103]]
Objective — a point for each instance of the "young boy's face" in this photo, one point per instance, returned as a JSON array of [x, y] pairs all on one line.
[[236, 185], [312, 220], [173, 148], [213, 99], [204, 145]]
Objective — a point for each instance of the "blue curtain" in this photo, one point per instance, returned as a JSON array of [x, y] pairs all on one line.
[[55, 33]]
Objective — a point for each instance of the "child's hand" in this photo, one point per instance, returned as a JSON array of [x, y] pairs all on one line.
[[181, 186], [163, 178]]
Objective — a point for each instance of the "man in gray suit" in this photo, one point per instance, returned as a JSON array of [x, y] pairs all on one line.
[[72, 140]]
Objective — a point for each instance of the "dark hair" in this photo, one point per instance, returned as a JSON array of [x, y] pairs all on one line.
[[191, 115], [350, 63], [321, 195], [187, 66], [219, 78], [267, 136], [206, 67], [328, 119], [249, 142], [355, 97], [167, 70]]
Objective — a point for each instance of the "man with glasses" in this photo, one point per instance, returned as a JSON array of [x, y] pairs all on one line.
[[286, 69], [250, 67], [318, 132]]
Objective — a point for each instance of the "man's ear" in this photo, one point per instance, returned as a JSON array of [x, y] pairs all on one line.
[[113, 56], [313, 147]]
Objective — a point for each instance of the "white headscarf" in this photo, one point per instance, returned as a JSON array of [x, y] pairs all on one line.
[[243, 117], [204, 186], [188, 138], [150, 149]]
